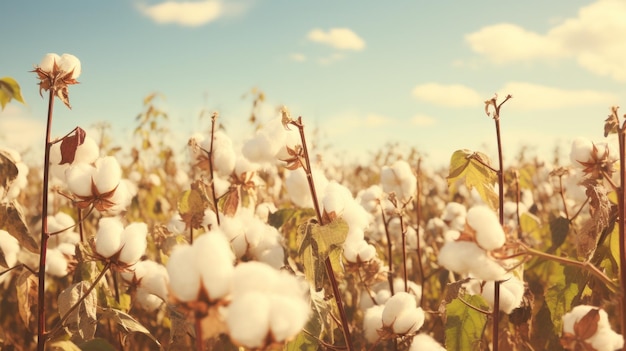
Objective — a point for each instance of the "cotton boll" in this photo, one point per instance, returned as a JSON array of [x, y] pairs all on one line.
[[56, 263], [87, 152], [465, 257], [70, 63], [248, 319], [454, 215], [288, 316], [253, 276], [243, 165], [605, 339], [264, 209], [489, 232], [122, 197], [48, 61], [185, 279], [298, 186], [370, 197], [581, 151], [133, 243], [108, 174], [409, 321], [224, 156], [61, 222], [259, 149], [147, 301], [109, 236], [358, 251], [511, 293], [214, 261], [396, 305], [425, 342], [373, 322], [451, 235], [154, 279], [399, 179], [79, 179], [221, 186], [9, 247]]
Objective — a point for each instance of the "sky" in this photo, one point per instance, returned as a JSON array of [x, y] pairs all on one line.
[[361, 73]]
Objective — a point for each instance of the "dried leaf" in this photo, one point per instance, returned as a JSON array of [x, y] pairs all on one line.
[[81, 322], [12, 220], [587, 326], [230, 201], [69, 144], [8, 170], [611, 124], [191, 206], [26, 286], [128, 323]]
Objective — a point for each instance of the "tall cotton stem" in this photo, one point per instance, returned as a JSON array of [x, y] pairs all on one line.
[[41, 288], [328, 264]]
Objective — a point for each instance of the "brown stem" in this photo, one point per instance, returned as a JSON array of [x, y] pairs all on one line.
[[210, 155], [404, 273], [418, 215], [41, 288], [389, 250], [198, 327], [329, 267]]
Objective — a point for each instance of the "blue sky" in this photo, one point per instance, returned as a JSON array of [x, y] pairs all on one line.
[[364, 72]]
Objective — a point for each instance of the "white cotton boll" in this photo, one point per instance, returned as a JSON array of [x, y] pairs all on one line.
[[451, 235], [605, 339], [273, 255], [396, 305], [358, 251], [288, 316], [9, 247], [181, 177], [122, 197], [48, 61], [214, 261], [155, 278], [147, 301], [465, 257], [253, 276], [409, 321], [233, 228], [87, 152], [61, 222], [399, 179], [511, 293], [109, 236], [70, 63], [210, 219], [425, 342], [298, 186], [581, 151], [185, 279], [221, 186], [108, 174], [56, 263], [373, 322], [370, 198], [176, 224], [484, 267], [489, 232], [264, 209], [258, 149], [243, 165], [248, 319], [224, 156], [79, 178], [454, 215], [133, 243]]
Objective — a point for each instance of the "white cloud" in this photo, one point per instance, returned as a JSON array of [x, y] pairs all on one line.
[[594, 38], [191, 13], [297, 57], [526, 96], [338, 38], [423, 120], [530, 96], [452, 95]]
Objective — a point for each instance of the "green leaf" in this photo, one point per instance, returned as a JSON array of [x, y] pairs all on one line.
[[471, 166], [315, 243], [562, 288], [128, 323], [191, 206], [81, 322], [12, 220], [559, 227], [9, 89], [465, 325], [97, 344], [284, 215]]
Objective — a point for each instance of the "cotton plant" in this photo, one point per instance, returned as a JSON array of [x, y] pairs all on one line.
[[119, 245], [150, 281], [251, 238], [470, 253], [587, 327], [398, 317], [224, 155], [267, 306]]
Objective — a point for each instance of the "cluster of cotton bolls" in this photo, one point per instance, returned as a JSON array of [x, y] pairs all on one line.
[[20, 182], [151, 282], [93, 180], [122, 246], [267, 305], [470, 255], [398, 316], [251, 238], [604, 339], [270, 143], [381, 292]]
